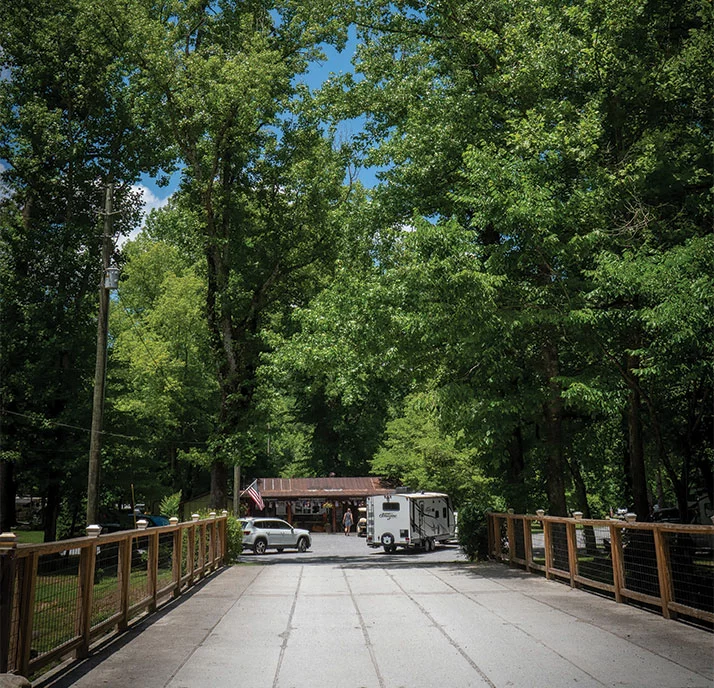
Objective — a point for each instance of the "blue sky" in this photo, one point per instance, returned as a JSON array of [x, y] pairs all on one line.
[[335, 63]]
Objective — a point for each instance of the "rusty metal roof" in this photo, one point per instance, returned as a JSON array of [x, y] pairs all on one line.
[[299, 488]]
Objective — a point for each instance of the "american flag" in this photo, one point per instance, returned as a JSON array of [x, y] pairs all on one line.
[[253, 493]]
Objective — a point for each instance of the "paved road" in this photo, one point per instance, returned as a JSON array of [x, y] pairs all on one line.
[[347, 616]]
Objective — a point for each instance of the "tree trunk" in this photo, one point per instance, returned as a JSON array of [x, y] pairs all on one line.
[[553, 416], [52, 507], [581, 499], [219, 485], [517, 497], [7, 496], [636, 448]]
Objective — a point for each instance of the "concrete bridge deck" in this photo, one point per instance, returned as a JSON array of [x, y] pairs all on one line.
[[344, 615]]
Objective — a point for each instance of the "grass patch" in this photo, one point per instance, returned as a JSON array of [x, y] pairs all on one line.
[[29, 537]]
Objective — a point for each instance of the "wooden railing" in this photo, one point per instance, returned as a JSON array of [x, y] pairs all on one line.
[[668, 566], [59, 597]]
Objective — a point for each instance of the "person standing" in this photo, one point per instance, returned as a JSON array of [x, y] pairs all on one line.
[[347, 521]]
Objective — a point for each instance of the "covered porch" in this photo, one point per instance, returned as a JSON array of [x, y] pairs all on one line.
[[317, 504]]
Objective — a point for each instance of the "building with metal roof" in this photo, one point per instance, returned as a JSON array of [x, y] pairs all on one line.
[[316, 503]]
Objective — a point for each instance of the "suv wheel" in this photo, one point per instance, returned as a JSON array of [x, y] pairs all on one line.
[[260, 546], [302, 544]]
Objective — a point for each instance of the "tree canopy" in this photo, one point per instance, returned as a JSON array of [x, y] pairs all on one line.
[[519, 312]]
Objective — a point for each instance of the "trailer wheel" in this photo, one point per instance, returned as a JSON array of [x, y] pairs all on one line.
[[388, 542]]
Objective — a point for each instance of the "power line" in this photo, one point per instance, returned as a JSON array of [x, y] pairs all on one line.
[[56, 423]]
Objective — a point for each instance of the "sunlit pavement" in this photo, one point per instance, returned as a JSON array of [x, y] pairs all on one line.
[[345, 615]]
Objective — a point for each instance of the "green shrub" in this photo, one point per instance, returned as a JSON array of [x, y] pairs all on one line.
[[234, 536], [170, 505], [234, 539], [473, 531]]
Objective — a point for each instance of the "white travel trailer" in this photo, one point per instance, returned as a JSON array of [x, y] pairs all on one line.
[[409, 519]]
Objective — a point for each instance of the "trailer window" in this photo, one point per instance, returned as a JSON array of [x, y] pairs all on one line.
[[390, 506]]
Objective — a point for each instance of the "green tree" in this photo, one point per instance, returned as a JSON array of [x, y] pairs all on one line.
[[67, 127], [258, 176]]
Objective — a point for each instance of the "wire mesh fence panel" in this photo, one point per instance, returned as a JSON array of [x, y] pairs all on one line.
[[185, 553], [139, 577], [691, 559], [537, 543], [106, 600], [559, 546], [640, 561], [208, 551], [164, 575], [519, 536], [593, 547], [197, 550], [56, 601]]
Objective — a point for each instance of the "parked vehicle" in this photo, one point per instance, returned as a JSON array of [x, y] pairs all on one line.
[[261, 534], [409, 520], [127, 521], [362, 522]]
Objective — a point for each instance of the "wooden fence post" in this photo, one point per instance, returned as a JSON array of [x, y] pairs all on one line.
[[572, 552], [153, 568], [548, 548], [618, 572], [664, 571], [85, 596], [176, 557], [26, 612], [191, 558], [497, 537], [212, 541], [489, 529], [125, 549], [511, 535], [202, 549], [8, 550], [528, 542]]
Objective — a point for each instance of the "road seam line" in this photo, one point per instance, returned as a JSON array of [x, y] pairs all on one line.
[[441, 630], [210, 630], [469, 596], [286, 633], [365, 633]]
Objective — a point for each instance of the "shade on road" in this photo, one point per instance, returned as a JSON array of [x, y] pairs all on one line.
[[344, 615]]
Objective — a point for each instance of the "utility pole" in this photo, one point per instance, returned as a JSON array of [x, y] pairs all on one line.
[[236, 490], [100, 370]]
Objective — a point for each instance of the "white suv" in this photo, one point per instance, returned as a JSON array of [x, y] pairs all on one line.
[[260, 534]]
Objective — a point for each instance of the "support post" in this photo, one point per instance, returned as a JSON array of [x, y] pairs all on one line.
[[85, 596], [511, 535], [236, 491], [664, 571], [572, 552], [100, 369], [8, 551], [528, 542], [548, 548], [125, 549], [618, 571]]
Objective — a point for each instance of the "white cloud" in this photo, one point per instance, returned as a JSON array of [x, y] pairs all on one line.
[[151, 201]]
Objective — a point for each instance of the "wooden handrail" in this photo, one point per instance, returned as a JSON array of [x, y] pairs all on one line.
[[20, 566], [662, 563]]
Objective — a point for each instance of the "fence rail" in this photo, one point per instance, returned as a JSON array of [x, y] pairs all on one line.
[[669, 566], [59, 597]]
